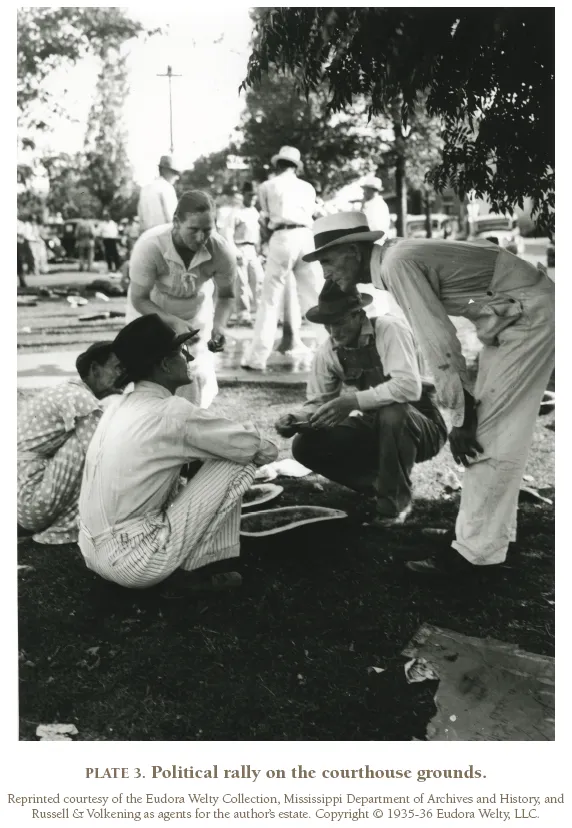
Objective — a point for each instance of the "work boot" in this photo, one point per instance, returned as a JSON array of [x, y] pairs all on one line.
[[385, 522]]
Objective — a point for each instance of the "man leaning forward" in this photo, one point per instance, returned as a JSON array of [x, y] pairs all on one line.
[[138, 523]]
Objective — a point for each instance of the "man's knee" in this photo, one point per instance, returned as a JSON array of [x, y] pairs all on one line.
[[305, 450], [392, 416]]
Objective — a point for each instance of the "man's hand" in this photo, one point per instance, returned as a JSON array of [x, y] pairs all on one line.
[[334, 412], [463, 439], [464, 444], [216, 343], [289, 424]]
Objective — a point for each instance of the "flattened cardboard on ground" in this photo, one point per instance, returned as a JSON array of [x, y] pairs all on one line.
[[488, 690]]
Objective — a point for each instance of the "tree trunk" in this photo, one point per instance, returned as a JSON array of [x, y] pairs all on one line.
[[427, 205], [401, 186]]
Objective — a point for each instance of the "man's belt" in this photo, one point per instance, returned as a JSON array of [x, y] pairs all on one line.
[[288, 227]]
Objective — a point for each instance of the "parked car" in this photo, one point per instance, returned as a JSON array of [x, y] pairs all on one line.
[[503, 230], [443, 226]]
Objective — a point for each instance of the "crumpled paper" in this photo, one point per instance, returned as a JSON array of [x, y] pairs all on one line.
[[419, 669], [284, 468], [56, 732]]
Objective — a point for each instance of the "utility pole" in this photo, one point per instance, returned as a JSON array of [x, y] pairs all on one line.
[[170, 75]]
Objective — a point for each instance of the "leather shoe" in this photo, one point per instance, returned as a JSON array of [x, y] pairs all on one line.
[[450, 564]]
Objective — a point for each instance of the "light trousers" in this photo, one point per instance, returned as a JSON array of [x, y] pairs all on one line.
[[249, 277], [285, 251], [511, 381], [199, 525]]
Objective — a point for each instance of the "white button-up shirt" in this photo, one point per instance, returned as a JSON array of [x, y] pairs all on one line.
[[134, 460], [377, 213], [286, 199], [157, 203], [399, 357]]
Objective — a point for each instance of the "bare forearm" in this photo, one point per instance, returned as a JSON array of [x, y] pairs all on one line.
[[222, 314], [146, 306]]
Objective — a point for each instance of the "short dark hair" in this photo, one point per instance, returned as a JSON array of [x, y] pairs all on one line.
[[194, 201], [283, 164], [99, 352]]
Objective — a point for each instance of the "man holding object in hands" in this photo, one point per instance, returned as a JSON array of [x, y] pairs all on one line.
[[368, 417], [185, 272], [511, 304]]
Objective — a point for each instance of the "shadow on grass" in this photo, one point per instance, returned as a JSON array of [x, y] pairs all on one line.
[[286, 657]]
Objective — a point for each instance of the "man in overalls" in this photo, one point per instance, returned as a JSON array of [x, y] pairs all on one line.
[[369, 417], [511, 304]]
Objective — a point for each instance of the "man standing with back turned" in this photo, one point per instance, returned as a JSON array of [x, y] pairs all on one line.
[[287, 207], [158, 199], [511, 303]]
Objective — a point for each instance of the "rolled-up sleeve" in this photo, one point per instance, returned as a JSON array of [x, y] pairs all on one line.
[[144, 263], [396, 348], [205, 436], [325, 382], [433, 330]]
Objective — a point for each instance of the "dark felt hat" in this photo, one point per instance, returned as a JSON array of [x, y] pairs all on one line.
[[333, 304], [98, 352], [145, 341]]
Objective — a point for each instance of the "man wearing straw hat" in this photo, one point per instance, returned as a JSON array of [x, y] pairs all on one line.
[[287, 207], [138, 525], [511, 304], [369, 417]]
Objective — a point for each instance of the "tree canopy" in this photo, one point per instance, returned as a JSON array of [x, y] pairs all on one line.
[[487, 72], [51, 36], [335, 147]]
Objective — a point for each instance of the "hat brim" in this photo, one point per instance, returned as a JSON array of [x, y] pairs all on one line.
[[370, 235], [177, 342], [279, 157], [315, 315]]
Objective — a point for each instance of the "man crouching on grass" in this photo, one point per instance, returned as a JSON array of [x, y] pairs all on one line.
[[368, 417], [138, 524]]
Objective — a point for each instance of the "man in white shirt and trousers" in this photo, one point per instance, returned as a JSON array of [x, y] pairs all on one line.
[[511, 303], [369, 416], [158, 199], [374, 206], [139, 522], [287, 207]]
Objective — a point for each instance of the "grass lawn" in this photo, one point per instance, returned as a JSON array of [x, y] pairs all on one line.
[[286, 657]]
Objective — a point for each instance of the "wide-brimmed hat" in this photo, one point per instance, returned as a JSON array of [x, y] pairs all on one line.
[[340, 228], [288, 154], [145, 341], [373, 182], [166, 161], [334, 304]]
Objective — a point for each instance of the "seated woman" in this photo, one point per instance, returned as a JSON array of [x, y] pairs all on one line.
[[54, 430]]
